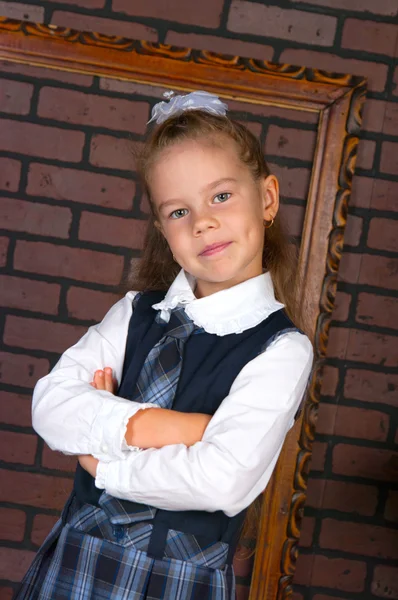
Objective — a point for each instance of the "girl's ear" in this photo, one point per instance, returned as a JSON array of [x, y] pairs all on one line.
[[270, 197]]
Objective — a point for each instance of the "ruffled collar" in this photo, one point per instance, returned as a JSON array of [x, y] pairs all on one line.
[[229, 311]]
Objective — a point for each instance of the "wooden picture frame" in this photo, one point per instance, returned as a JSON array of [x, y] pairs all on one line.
[[338, 101]]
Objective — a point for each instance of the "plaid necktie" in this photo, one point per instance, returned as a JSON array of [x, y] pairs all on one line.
[[157, 381]]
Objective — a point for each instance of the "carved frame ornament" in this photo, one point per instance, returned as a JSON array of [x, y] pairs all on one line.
[[338, 100]]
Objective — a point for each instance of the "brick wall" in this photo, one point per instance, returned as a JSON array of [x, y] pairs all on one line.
[[72, 218]]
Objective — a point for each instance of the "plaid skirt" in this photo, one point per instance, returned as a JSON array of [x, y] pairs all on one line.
[[99, 553]]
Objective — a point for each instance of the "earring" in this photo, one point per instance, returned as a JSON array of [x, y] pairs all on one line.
[[265, 223]]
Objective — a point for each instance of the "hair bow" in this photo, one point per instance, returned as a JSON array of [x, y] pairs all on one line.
[[195, 100]]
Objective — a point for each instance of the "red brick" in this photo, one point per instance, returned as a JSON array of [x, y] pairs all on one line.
[[3, 250], [42, 525], [383, 234], [22, 370], [12, 524], [275, 22], [341, 307], [6, 593], [14, 563], [296, 596], [390, 126], [395, 83], [42, 73], [220, 45], [206, 13], [18, 447], [379, 194], [378, 310], [366, 153], [294, 183], [36, 218], [15, 409], [10, 170], [318, 456], [338, 573], [89, 305], [15, 97], [23, 12], [73, 263], [269, 111], [389, 158], [115, 231], [342, 496], [373, 115], [359, 538], [39, 334], [369, 36], [369, 269], [385, 582], [80, 186], [34, 489], [111, 152], [26, 294], [131, 88], [369, 386], [376, 73], [383, 7], [304, 566], [127, 29], [62, 144], [353, 231], [81, 108], [330, 380], [391, 508], [360, 345], [295, 143], [307, 532], [358, 461], [56, 460], [353, 422]]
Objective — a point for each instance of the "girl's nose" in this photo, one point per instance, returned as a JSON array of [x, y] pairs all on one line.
[[203, 222]]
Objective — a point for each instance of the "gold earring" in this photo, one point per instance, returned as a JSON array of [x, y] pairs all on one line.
[[268, 226]]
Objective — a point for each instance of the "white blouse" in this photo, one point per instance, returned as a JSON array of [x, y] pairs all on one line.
[[233, 462]]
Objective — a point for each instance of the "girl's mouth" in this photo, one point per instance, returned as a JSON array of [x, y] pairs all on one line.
[[214, 248]]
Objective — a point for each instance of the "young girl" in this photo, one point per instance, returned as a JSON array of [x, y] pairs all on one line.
[[210, 347]]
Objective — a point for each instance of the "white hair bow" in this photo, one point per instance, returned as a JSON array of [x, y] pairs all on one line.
[[195, 100]]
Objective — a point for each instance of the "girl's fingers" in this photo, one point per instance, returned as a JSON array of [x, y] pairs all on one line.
[[108, 379], [99, 380]]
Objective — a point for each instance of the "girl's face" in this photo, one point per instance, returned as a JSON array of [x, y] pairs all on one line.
[[211, 212]]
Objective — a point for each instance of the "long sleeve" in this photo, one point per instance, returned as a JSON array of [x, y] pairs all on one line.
[[233, 462], [71, 415]]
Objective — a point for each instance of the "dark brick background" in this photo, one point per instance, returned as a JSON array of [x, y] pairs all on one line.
[[72, 217]]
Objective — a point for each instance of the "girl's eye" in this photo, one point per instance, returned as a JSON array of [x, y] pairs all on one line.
[[177, 214], [223, 197]]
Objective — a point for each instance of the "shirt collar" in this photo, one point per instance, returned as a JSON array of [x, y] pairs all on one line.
[[228, 311]]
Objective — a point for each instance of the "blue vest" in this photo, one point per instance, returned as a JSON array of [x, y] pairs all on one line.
[[210, 366]]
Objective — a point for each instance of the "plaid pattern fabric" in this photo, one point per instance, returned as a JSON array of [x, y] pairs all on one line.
[[93, 556], [157, 382]]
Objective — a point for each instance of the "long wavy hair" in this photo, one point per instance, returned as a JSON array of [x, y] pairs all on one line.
[[157, 269]]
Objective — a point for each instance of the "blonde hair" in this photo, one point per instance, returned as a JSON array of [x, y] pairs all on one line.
[[157, 268]]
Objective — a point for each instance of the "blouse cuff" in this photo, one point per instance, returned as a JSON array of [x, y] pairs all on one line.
[[109, 429]]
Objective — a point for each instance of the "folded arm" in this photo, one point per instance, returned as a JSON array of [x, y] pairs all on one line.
[[70, 414], [234, 460]]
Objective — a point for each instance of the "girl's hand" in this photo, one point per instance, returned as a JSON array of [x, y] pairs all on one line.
[[103, 380], [89, 464]]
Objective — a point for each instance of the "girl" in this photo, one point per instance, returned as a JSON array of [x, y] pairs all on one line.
[[210, 347]]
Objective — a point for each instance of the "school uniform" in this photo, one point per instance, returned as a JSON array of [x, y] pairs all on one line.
[[164, 523]]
